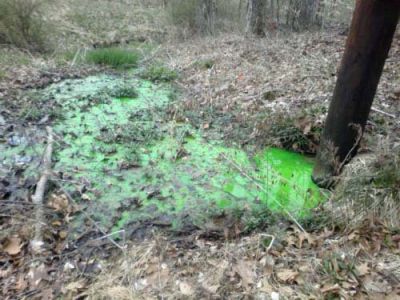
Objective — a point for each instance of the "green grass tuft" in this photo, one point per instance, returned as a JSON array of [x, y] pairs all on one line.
[[117, 58], [124, 91], [159, 73]]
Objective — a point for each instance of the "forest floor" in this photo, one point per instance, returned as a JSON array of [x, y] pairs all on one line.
[[253, 93]]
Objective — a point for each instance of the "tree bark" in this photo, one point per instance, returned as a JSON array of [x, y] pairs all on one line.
[[256, 17], [209, 10], [301, 14], [371, 33]]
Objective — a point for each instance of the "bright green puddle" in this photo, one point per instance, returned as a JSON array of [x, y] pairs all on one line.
[[135, 165]]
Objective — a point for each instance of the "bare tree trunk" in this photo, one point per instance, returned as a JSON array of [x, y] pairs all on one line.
[[209, 10], [367, 46], [301, 14], [278, 11], [256, 17]]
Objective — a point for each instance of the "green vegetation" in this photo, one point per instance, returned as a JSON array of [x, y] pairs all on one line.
[[205, 64], [123, 91], [298, 131], [387, 174], [117, 58], [159, 73]]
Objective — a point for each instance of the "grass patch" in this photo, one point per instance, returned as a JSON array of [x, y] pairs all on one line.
[[205, 64], [117, 58], [124, 91], [159, 73]]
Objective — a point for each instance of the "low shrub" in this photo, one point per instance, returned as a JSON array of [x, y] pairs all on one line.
[[124, 91], [114, 57], [298, 131], [22, 24], [159, 73]]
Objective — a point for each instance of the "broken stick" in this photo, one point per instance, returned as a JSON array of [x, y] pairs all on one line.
[[37, 198]]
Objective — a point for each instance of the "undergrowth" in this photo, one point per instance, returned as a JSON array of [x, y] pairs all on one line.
[[117, 58], [375, 193], [23, 24], [123, 91], [159, 73], [298, 131]]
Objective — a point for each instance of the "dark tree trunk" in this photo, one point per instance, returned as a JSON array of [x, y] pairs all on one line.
[[256, 17], [209, 10], [301, 14], [371, 33]]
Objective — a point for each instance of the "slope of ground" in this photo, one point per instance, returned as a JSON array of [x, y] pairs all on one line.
[[252, 92]]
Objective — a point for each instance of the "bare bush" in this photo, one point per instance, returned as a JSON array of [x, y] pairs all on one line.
[[204, 16], [22, 24]]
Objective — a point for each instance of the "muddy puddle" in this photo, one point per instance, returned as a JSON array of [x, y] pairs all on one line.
[[126, 160]]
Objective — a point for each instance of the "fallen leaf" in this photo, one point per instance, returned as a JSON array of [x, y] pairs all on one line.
[[330, 288], [63, 234], [59, 203], [303, 236], [287, 276], [13, 246], [186, 289], [245, 270], [362, 269]]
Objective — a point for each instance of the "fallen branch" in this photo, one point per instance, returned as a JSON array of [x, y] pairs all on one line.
[[37, 198]]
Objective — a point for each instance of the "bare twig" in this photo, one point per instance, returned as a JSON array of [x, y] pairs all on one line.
[[37, 198], [271, 243], [383, 112], [106, 235]]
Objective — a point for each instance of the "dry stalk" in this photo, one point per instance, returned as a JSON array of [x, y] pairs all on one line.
[[265, 191]]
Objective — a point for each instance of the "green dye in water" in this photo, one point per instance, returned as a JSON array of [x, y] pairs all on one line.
[[136, 165]]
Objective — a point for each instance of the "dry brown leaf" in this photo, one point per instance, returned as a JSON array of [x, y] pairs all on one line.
[[75, 286], [330, 288], [63, 234], [287, 275], [245, 270], [21, 283], [304, 236], [211, 288], [159, 277], [186, 289], [36, 274], [363, 269], [376, 284], [13, 245], [58, 203]]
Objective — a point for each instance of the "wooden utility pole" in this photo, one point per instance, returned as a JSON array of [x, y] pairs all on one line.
[[370, 37]]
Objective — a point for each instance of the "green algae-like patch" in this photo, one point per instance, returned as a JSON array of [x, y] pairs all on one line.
[[135, 164]]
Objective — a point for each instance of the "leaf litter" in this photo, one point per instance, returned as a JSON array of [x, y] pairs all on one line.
[[247, 78]]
